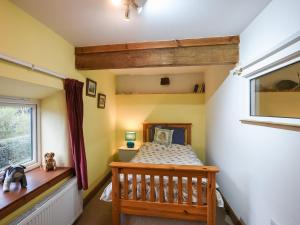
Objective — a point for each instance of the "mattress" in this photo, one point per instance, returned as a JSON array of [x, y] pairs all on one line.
[[160, 154]]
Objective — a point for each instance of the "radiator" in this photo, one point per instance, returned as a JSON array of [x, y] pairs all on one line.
[[62, 207]]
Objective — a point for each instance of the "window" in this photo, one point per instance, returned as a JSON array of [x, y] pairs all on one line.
[[18, 133], [277, 94]]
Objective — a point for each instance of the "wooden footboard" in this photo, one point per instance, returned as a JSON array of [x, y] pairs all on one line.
[[179, 209]]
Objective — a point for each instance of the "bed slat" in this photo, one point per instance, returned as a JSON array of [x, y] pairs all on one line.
[[134, 187], [143, 184], [190, 190], [125, 186], [152, 188], [170, 189], [199, 190], [179, 190], [161, 188]]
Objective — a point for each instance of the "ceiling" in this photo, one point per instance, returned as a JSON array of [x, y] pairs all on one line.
[[95, 22]]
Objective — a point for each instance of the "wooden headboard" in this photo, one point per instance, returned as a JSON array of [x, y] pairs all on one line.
[[186, 126]]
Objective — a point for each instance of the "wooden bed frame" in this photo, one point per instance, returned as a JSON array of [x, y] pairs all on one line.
[[202, 211]]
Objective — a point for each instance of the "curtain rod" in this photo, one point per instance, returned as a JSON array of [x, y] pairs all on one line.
[[279, 47], [31, 66]]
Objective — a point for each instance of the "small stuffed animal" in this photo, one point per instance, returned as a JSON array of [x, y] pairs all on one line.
[[14, 174], [50, 163]]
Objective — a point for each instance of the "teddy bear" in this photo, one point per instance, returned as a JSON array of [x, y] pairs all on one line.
[[14, 174], [50, 163]]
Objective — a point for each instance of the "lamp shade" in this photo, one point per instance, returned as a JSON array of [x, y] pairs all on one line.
[[130, 136]]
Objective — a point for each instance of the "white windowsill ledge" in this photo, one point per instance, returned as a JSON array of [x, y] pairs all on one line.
[[281, 123]]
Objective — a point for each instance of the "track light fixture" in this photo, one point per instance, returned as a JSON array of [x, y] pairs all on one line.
[[127, 11], [130, 4]]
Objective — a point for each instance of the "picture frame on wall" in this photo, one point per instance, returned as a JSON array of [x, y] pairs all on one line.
[[101, 101], [91, 88]]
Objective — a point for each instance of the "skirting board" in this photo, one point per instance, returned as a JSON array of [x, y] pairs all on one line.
[[96, 189], [232, 214]]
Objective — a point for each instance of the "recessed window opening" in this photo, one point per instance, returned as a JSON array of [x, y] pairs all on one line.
[[276, 94], [18, 133]]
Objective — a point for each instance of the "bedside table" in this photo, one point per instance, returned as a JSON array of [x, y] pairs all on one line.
[[126, 154]]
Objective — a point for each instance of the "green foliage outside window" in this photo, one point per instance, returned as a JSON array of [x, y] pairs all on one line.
[[15, 135]]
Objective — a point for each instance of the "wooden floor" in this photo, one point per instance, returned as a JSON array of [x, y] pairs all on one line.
[[98, 212]]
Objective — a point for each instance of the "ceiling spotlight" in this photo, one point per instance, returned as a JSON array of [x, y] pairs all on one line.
[[139, 9], [127, 12], [134, 4], [138, 6]]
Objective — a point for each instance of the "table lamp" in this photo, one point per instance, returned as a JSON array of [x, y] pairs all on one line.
[[130, 137]]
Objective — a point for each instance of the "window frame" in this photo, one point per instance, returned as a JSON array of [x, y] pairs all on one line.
[[253, 105], [271, 119], [36, 134], [285, 53]]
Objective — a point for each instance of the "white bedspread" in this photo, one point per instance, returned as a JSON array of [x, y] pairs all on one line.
[[159, 154]]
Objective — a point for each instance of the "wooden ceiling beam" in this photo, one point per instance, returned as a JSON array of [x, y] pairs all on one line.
[[228, 40], [188, 52]]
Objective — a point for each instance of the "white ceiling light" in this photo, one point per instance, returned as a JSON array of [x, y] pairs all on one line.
[[127, 12], [139, 10], [138, 5]]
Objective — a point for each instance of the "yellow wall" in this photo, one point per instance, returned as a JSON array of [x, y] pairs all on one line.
[[214, 77], [100, 127], [54, 128], [134, 110], [279, 104], [26, 39]]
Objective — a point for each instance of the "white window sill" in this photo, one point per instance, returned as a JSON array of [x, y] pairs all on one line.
[[38, 181], [281, 123]]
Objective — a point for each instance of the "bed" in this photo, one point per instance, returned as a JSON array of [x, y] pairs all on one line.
[[141, 187]]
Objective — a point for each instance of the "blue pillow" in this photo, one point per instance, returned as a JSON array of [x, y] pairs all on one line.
[[178, 136]]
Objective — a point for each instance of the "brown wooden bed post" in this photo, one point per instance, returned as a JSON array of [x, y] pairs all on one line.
[[115, 197], [211, 198]]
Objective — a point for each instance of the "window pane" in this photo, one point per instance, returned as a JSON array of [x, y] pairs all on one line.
[[16, 129], [277, 94]]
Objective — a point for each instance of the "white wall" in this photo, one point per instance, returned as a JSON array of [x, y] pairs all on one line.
[[259, 165], [279, 20]]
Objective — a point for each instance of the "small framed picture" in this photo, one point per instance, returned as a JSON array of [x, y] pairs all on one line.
[[91, 87], [101, 101]]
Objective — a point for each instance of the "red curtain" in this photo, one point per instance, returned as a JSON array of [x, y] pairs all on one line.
[[74, 99]]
